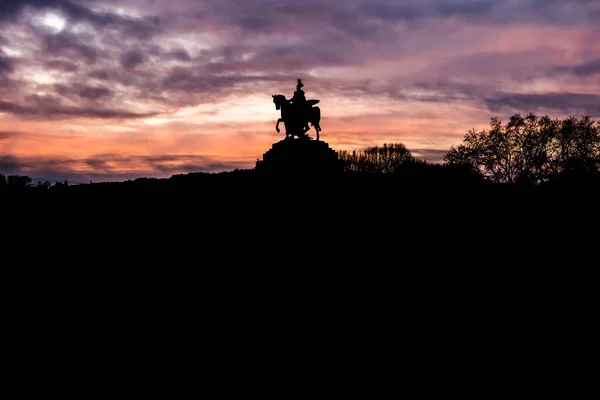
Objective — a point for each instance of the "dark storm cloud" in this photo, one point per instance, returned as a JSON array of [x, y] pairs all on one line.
[[583, 104], [49, 109]]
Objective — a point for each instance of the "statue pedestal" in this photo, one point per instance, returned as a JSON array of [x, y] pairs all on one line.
[[300, 157]]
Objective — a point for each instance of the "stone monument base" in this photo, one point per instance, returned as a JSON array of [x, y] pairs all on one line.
[[300, 157]]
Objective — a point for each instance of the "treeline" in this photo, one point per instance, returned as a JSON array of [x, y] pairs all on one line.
[[531, 149], [385, 159], [527, 150], [20, 182]]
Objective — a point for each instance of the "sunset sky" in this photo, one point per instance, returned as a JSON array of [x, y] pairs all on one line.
[[113, 90]]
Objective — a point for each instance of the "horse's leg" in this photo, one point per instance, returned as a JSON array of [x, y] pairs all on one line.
[[277, 126], [316, 120], [288, 135]]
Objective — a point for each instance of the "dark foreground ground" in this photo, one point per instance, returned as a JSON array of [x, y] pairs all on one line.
[[308, 210], [431, 264]]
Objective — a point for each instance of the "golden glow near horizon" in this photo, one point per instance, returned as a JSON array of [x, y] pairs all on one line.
[[144, 88]]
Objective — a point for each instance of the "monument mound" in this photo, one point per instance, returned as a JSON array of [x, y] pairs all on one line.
[[300, 157]]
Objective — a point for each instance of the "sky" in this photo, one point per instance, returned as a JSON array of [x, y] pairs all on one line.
[[120, 89]]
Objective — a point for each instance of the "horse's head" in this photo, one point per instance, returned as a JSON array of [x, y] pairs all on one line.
[[278, 99]]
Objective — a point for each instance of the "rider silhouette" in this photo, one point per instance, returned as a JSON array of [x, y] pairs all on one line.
[[299, 96], [297, 113], [298, 100]]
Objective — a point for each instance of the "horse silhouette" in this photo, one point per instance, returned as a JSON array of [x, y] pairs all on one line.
[[296, 117]]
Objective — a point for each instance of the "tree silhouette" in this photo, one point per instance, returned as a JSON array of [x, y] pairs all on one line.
[[19, 181], [530, 149], [43, 185], [576, 145], [2, 181], [384, 159]]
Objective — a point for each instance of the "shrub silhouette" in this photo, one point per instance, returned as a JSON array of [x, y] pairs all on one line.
[[384, 159]]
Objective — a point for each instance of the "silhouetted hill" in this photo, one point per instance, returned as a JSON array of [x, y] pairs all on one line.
[[409, 180], [383, 199], [371, 234]]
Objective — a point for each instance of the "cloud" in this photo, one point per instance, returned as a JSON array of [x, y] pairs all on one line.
[[432, 155], [483, 12], [377, 20], [94, 93], [132, 59], [179, 55], [70, 46], [111, 167], [141, 28], [9, 165], [6, 64], [414, 11], [48, 109], [61, 65], [84, 92], [418, 71], [581, 70], [583, 104], [8, 135], [256, 43], [193, 79]]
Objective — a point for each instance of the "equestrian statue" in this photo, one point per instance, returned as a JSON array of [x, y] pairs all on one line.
[[297, 113]]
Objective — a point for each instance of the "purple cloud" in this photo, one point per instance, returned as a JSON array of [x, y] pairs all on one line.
[[132, 59], [50, 108]]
